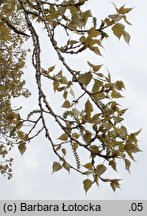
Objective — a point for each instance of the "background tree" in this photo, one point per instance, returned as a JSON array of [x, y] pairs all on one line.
[[89, 121]]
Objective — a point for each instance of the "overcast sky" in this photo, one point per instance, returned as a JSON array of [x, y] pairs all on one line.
[[33, 177]]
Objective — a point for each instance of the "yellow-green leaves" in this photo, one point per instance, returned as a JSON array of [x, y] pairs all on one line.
[[66, 104], [56, 167], [87, 183], [88, 115], [118, 29], [95, 50], [122, 131], [131, 148], [66, 166], [64, 151], [76, 135], [97, 85], [93, 32], [87, 136], [50, 69], [12, 61], [99, 96], [88, 166], [22, 148], [115, 184], [112, 163], [85, 78], [79, 19], [75, 112], [123, 10], [8, 7], [88, 107], [115, 94], [127, 165], [119, 85], [126, 36], [94, 149], [75, 146], [87, 14], [4, 33], [10, 117], [100, 169], [63, 137], [56, 85], [94, 67]]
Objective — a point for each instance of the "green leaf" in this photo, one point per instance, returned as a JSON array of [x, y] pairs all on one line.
[[63, 137], [72, 42], [66, 166], [4, 33], [72, 92], [94, 149], [85, 78], [127, 165], [50, 69], [63, 80], [95, 50], [88, 107], [63, 151], [76, 135], [99, 96], [114, 18], [56, 85], [126, 36], [20, 134], [10, 117], [123, 10], [87, 183], [66, 104], [65, 94], [88, 13], [75, 111], [56, 167], [137, 133], [22, 148], [115, 184], [100, 169], [95, 119], [131, 148], [112, 163], [125, 19], [122, 111], [100, 75], [75, 146], [97, 85], [58, 148], [119, 85], [88, 166], [61, 89], [87, 136], [115, 94], [94, 67], [82, 39], [118, 30], [122, 131], [93, 32]]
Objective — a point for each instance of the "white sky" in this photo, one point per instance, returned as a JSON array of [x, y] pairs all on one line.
[[32, 172]]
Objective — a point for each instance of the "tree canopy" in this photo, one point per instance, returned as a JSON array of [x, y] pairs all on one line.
[[90, 120]]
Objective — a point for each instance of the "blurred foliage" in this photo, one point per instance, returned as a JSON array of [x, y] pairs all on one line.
[[12, 61]]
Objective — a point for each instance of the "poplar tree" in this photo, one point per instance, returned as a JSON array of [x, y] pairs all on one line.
[[90, 120]]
